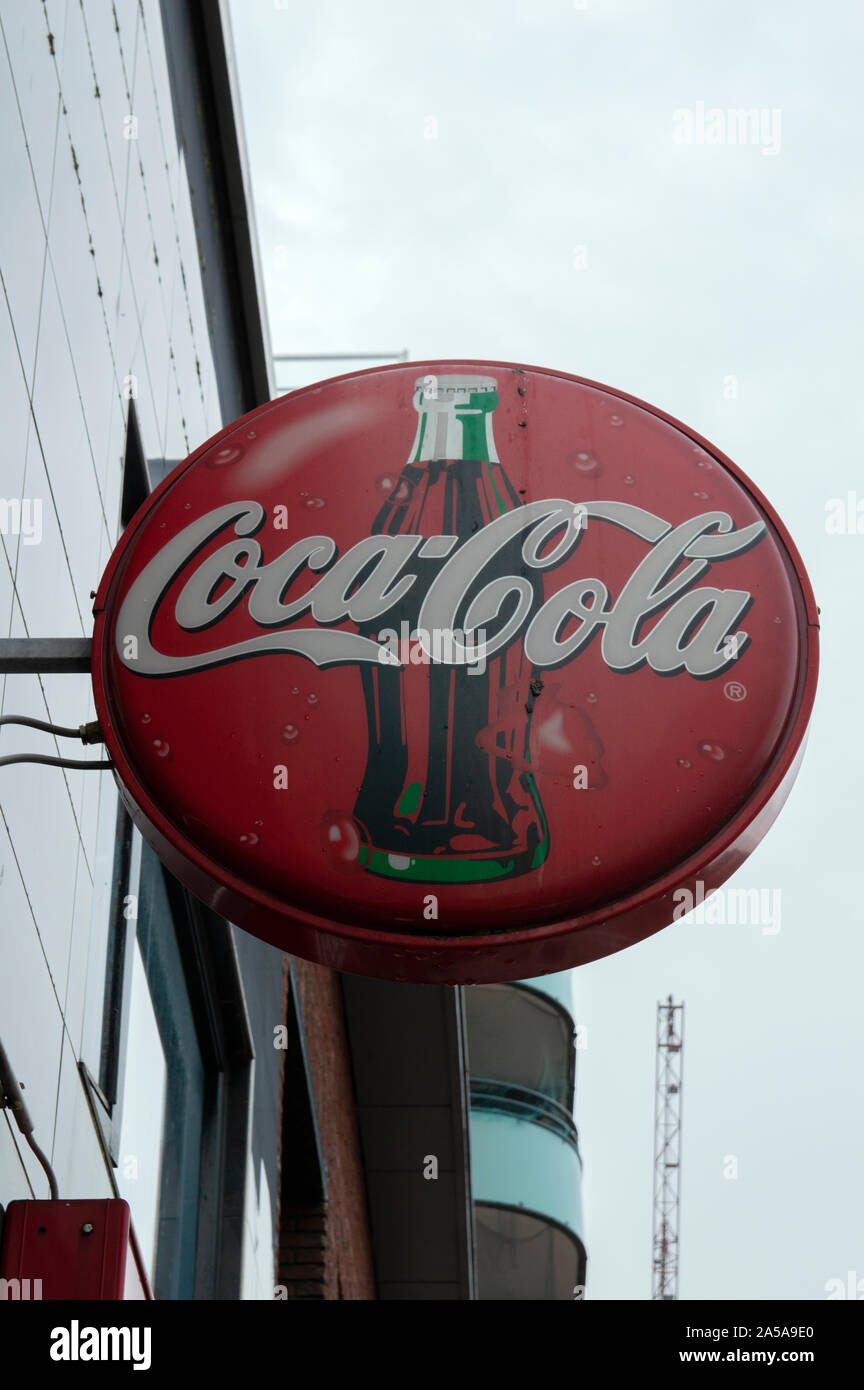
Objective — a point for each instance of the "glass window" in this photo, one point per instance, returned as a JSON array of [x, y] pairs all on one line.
[[177, 1065], [519, 1035], [139, 1164]]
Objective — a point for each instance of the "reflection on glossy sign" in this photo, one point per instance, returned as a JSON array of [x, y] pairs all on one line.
[[454, 671]]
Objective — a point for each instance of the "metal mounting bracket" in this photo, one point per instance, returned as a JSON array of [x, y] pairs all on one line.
[[46, 656]]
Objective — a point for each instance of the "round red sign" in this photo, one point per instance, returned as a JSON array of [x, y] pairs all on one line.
[[454, 671]]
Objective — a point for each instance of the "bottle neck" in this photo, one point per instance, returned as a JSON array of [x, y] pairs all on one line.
[[454, 420], [446, 433]]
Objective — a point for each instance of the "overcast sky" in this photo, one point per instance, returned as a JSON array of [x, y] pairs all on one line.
[[502, 179]]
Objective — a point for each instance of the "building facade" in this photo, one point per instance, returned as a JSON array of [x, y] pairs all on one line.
[[276, 1129], [141, 1025], [525, 1160]]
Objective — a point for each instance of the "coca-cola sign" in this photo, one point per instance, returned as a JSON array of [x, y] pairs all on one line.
[[454, 671]]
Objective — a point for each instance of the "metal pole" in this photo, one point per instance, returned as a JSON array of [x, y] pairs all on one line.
[[340, 356], [45, 656]]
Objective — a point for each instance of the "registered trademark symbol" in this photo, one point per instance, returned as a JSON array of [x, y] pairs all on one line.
[[734, 690]]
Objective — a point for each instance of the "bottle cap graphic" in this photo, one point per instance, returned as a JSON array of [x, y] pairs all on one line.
[[455, 417]]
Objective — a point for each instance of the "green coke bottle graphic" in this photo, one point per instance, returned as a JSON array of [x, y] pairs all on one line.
[[449, 794]]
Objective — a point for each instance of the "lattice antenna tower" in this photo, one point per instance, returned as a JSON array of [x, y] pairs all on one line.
[[667, 1148]]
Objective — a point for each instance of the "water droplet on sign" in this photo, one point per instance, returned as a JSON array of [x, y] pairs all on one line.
[[712, 751], [290, 733], [588, 465], [229, 453], [341, 841], [161, 748]]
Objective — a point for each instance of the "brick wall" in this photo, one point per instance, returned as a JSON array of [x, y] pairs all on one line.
[[303, 1252], [324, 1249]]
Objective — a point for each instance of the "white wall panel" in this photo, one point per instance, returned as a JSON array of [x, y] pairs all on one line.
[[100, 279], [76, 1155]]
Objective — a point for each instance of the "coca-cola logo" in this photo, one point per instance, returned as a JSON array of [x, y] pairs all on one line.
[[352, 591], [401, 706]]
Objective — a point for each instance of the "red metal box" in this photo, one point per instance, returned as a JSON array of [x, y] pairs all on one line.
[[71, 1250]]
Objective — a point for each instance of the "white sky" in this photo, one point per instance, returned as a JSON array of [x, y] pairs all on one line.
[[555, 128]]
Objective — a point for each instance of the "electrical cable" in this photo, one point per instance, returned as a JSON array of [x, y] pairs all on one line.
[[52, 762], [12, 1099], [88, 733], [49, 1171], [39, 724]]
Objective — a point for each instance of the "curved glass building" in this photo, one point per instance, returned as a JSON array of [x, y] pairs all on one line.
[[526, 1171]]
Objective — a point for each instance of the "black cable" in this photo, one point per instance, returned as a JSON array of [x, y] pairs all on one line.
[[12, 1099], [88, 733], [46, 728], [49, 1171], [51, 762]]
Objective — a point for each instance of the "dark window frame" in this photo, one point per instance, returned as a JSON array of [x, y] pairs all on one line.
[[136, 484]]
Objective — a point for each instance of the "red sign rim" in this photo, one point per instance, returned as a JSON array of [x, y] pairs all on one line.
[[474, 958]]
